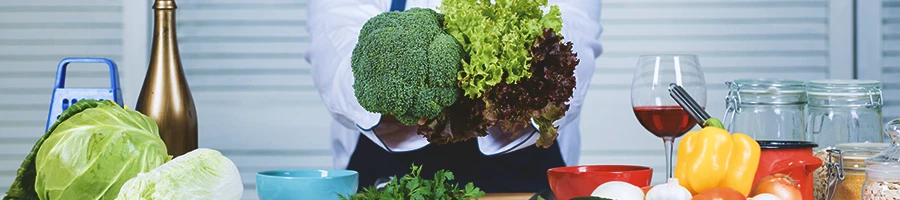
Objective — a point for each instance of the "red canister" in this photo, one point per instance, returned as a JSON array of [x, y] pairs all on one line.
[[794, 158]]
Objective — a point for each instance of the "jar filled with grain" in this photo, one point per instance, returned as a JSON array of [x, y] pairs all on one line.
[[883, 172], [882, 182], [855, 152], [843, 174]]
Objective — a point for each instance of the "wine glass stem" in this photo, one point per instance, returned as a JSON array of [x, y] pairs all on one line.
[[669, 142]]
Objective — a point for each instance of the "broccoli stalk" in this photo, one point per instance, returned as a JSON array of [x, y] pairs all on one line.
[[405, 65]]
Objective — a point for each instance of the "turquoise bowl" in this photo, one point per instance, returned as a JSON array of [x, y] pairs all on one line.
[[306, 184]]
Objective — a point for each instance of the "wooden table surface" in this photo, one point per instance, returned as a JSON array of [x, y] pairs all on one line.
[[507, 196]]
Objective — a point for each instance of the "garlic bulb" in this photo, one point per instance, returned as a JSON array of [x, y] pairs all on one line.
[[618, 190], [669, 191]]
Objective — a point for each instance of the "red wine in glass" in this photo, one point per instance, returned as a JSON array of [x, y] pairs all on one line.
[[654, 106], [665, 121]]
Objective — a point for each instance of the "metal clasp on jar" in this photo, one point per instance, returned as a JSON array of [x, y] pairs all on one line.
[[732, 104], [873, 103], [835, 170]]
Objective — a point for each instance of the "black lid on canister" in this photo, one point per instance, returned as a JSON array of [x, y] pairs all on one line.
[[774, 144]]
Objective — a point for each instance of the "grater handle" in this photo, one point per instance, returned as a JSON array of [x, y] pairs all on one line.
[[63, 65], [58, 102]]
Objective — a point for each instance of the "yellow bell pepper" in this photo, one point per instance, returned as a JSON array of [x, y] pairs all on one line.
[[713, 157]]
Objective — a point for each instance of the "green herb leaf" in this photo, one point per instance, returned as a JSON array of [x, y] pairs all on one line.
[[413, 187], [448, 176], [440, 191], [412, 184]]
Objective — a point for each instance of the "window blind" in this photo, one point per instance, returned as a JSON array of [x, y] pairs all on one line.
[[34, 36], [890, 76]]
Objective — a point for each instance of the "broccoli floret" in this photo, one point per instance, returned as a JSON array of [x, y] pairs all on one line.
[[405, 65]]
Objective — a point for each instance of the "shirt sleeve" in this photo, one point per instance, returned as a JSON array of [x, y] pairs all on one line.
[[581, 26], [333, 27]]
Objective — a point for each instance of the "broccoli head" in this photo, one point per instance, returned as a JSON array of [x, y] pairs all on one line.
[[405, 65]]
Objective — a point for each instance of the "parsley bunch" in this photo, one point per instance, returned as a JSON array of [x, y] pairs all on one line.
[[413, 187]]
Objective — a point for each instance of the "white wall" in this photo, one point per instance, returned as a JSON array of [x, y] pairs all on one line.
[[256, 102]]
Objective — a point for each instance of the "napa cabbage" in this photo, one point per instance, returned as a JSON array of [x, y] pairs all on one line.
[[199, 174]]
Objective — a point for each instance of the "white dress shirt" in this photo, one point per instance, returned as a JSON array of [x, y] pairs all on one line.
[[334, 26]]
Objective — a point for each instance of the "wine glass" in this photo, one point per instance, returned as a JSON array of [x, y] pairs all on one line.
[[654, 107]]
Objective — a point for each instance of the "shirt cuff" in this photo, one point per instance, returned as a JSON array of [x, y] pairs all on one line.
[[499, 144], [404, 140]]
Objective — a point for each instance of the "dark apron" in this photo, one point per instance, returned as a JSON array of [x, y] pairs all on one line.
[[524, 170]]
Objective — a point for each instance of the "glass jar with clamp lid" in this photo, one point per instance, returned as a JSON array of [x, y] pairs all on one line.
[[766, 109], [844, 111]]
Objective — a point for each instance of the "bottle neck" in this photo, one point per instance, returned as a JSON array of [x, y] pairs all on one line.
[[165, 45], [164, 25]]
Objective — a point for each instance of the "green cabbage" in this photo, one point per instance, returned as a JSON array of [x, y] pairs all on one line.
[[199, 174], [89, 153]]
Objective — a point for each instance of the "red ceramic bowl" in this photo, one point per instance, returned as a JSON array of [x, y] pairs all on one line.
[[577, 181]]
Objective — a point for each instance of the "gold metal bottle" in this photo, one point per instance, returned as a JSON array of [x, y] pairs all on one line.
[[165, 95]]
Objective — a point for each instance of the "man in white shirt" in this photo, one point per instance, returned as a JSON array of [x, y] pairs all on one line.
[[379, 146]]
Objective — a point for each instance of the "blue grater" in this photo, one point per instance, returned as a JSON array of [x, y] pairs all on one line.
[[64, 97]]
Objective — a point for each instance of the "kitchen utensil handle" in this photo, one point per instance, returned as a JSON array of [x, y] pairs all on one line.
[[688, 103], [64, 64], [808, 163]]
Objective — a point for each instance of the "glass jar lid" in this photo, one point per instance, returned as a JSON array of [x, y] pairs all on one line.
[[878, 173], [865, 146], [766, 91], [851, 159], [841, 92], [842, 87], [889, 158]]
